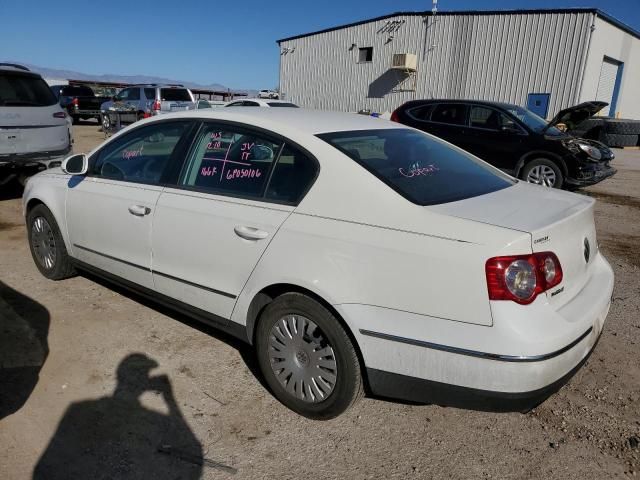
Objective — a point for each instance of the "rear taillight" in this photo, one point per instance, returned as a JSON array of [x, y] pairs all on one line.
[[521, 278], [75, 102], [156, 105], [60, 115], [394, 116]]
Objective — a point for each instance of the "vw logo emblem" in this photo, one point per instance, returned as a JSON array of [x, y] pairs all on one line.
[[587, 250]]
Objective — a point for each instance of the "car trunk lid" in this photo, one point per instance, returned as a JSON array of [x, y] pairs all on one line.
[[32, 130], [559, 222]]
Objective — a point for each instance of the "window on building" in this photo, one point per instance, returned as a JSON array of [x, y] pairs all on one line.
[[365, 54]]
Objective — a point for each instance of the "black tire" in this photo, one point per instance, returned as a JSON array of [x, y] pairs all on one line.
[[348, 386], [75, 119], [543, 162], [622, 127], [617, 140], [62, 266]]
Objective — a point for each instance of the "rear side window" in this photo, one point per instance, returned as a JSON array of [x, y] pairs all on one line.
[[134, 94], [150, 93], [453, 114], [24, 90], [175, 95], [292, 175], [422, 168], [422, 113], [226, 160], [141, 155]]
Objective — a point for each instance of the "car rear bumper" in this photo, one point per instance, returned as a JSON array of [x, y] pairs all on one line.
[[528, 353], [50, 158]]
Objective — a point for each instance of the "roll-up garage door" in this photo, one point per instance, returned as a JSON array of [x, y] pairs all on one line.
[[607, 83]]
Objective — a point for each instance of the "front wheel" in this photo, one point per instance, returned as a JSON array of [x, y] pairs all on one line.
[[307, 357], [47, 246], [542, 171]]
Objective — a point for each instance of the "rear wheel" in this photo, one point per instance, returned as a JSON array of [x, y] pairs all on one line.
[[47, 246], [307, 357], [542, 171]]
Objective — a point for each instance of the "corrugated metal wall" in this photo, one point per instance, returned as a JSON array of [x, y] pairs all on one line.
[[483, 56]]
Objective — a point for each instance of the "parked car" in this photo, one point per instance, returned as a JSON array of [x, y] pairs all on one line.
[[202, 103], [150, 99], [268, 94], [345, 249], [79, 101], [35, 132], [258, 102], [515, 139]]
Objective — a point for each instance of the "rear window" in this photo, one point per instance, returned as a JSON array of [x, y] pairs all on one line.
[[77, 91], [175, 94], [281, 104], [20, 90], [423, 169]]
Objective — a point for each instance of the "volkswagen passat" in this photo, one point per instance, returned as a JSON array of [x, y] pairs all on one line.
[[349, 251]]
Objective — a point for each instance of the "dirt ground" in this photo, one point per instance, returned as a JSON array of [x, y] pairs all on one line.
[[105, 382]]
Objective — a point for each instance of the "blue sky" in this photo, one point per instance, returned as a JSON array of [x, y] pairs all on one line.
[[232, 43]]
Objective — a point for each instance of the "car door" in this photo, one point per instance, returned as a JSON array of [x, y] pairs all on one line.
[[212, 227], [494, 137], [110, 210]]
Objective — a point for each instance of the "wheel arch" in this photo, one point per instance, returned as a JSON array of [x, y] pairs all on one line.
[[269, 293], [554, 157]]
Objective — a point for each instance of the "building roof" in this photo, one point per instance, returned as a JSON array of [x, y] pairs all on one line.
[[605, 16]]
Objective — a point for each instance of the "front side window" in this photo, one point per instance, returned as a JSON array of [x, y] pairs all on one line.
[[282, 104], [533, 121], [227, 160], [422, 168], [453, 114], [490, 119], [141, 155], [123, 94]]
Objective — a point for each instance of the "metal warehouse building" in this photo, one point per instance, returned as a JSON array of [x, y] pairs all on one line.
[[543, 59]]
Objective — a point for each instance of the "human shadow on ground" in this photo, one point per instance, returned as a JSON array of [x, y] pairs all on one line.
[[117, 437], [24, 328]]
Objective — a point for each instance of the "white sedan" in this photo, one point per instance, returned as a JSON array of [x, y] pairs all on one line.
[[347, 250], [260, 102]]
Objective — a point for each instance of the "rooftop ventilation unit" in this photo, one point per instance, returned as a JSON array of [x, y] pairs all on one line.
[[404, 61]]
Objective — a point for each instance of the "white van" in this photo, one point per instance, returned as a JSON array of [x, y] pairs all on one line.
[[35, 132]]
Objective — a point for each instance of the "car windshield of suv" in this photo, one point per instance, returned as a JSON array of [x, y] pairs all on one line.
[[20, 90], [423, 169], [175, 94], [282, 104], [533, 121]]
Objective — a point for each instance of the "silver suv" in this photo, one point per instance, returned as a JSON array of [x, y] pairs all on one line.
[[150, 99], [35, 132]]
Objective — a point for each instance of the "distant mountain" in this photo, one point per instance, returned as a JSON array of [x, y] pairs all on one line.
[[54, 73]]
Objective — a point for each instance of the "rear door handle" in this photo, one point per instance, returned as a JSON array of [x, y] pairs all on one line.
[[250, 233], [139, 210]]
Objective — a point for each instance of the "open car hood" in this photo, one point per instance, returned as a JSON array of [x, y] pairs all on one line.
[[577, 114]]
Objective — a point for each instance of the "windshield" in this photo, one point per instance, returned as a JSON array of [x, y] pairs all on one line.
[[24, 90], [423, 169], [533, 121]]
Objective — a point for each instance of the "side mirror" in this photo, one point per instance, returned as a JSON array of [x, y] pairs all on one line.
[[510, 129], [75, 164]]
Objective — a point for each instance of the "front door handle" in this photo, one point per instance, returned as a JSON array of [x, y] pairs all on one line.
[[139, 210], [250, 233]]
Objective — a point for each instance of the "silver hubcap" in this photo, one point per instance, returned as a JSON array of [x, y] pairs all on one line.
[[43, 242], [302, 359], [542, 175]]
